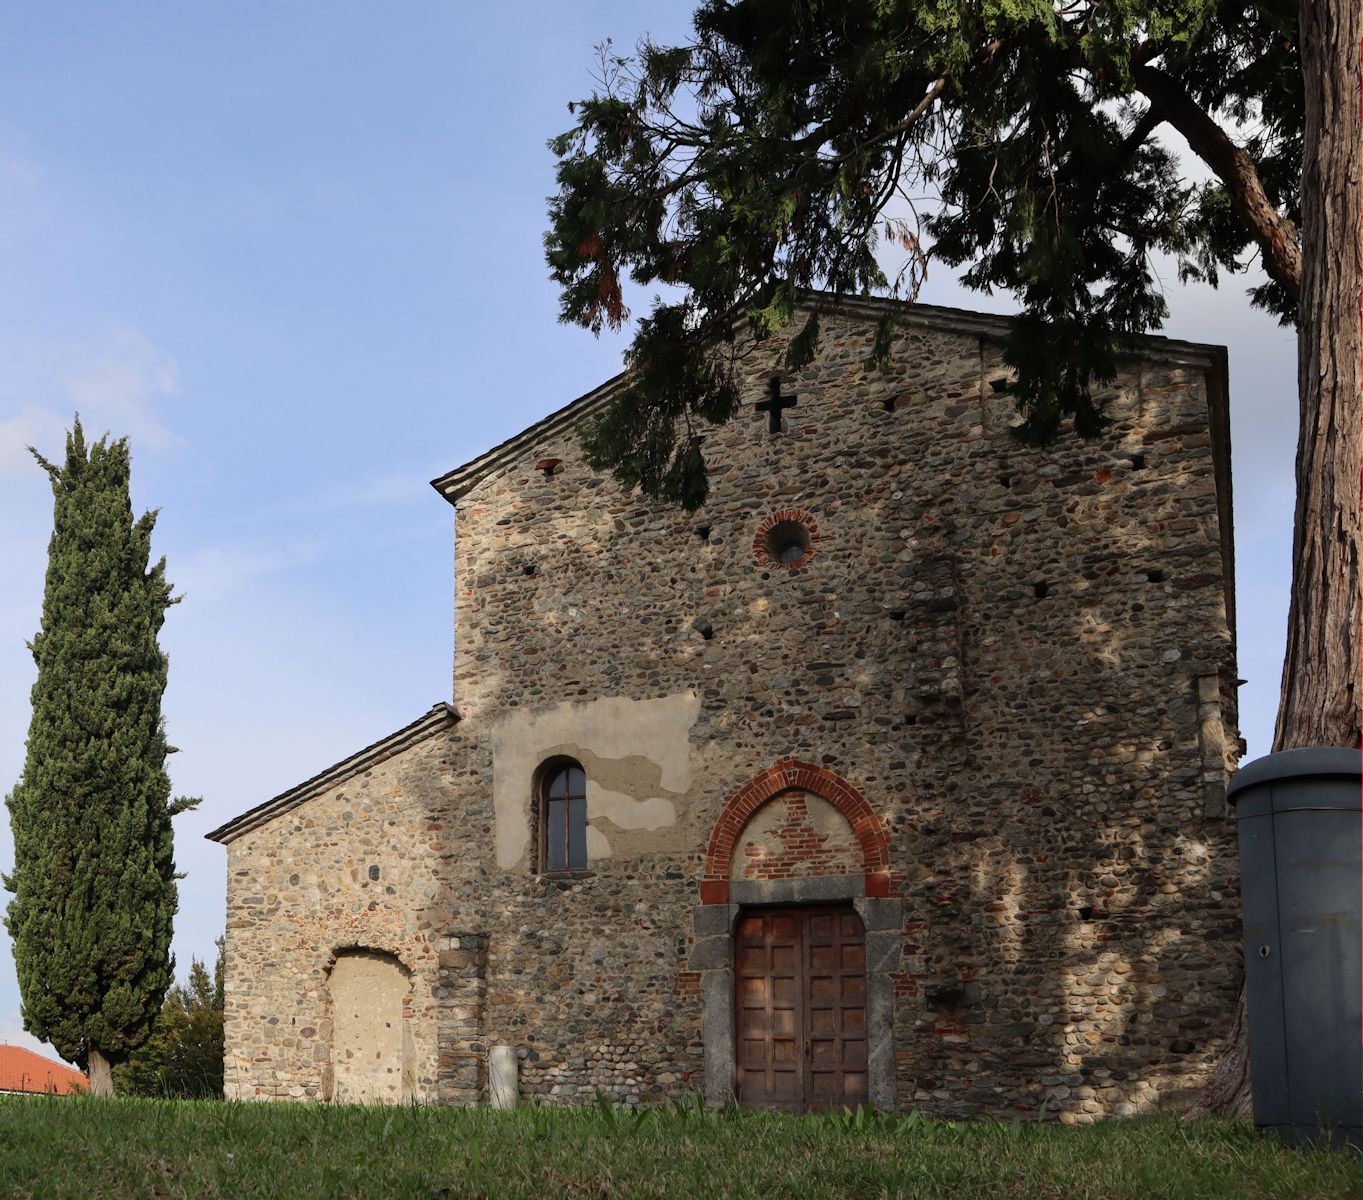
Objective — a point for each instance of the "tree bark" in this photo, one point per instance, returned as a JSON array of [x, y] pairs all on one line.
[[1319, 701], [100, 1073], [1227, 1093], [1318, 704]]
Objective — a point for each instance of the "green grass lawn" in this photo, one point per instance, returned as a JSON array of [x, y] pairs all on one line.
[[151, 1148]]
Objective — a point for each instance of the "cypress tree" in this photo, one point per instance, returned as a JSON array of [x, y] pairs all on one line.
[[94, 872]]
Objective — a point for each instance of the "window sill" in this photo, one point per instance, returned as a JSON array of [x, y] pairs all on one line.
[[561, 876]]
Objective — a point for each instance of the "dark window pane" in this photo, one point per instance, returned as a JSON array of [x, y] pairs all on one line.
[[577, 834], [577, 781], [557, 782], [553, 836]]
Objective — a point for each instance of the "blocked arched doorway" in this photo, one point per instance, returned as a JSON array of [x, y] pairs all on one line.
[[372, 1056]]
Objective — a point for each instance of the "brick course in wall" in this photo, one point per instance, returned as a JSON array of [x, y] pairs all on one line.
[[1011, 671]]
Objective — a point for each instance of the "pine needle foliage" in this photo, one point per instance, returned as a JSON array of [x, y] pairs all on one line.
[[183, 1057], [790, 144], [94, 872]]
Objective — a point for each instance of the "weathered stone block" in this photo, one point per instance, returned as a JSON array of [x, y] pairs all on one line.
[[711, 920], [709, 953]]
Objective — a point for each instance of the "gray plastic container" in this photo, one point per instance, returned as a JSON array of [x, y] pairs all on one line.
[[1300, 879]]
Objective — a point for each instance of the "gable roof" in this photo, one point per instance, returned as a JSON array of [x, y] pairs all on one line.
[[456, 484], [440, 717], [23, 1071]]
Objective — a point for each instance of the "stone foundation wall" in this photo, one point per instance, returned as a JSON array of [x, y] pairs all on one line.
[[1021, 660]]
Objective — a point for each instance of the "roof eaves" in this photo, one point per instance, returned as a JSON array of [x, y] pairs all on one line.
[[441, 716], [456, 484]]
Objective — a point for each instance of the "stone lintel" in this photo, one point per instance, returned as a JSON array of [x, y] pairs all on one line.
[[797, 891]]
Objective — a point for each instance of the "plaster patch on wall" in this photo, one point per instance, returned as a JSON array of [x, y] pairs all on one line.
[[597, 845], [636, 755]]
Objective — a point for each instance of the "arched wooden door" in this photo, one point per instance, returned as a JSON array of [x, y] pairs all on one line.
[[800, 996]]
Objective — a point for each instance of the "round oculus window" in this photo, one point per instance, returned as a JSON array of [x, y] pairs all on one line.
[[787, 539], [787, 543]]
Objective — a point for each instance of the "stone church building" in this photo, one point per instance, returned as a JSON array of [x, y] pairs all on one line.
[[894, 775]]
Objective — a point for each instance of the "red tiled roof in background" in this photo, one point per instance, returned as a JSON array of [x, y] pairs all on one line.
[[23, 1071]]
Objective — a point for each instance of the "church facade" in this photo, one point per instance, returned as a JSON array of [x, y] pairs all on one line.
[[895, 775]]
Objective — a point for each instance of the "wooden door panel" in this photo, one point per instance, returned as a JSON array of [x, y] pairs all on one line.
[[767, 986], [800, 988], [836, 1006]]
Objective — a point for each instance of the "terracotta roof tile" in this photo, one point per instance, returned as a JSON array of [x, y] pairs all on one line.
[[23, 1071]]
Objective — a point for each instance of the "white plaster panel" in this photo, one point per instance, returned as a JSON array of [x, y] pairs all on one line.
[[636, 754]]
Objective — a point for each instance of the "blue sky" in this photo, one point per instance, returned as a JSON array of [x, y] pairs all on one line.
[[292, 250]]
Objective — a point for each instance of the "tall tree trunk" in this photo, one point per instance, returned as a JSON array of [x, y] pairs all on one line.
[[1319, 701], [101, 1075]]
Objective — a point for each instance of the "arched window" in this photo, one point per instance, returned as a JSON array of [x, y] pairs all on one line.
[[563, 817]]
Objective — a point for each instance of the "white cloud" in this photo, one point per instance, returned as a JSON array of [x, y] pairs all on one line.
[[117, 385], [32, 426], [219, 572], [18, 173], [121, 382]]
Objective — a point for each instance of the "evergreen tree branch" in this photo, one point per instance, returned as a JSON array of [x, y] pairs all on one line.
[[1274, 234]]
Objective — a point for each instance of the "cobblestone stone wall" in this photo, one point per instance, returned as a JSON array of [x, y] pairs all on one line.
[[1022, 661], [365, 865]]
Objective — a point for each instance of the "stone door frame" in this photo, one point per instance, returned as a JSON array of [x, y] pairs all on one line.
[[721, 900]]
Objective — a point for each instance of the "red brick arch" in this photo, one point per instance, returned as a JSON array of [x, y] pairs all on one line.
[[783, 776]]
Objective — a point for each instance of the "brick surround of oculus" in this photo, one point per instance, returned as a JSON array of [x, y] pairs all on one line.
[[896, 774]]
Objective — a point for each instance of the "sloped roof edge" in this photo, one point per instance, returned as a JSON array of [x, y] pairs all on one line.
[[441, 716], [455, 484], [23, 1070]]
